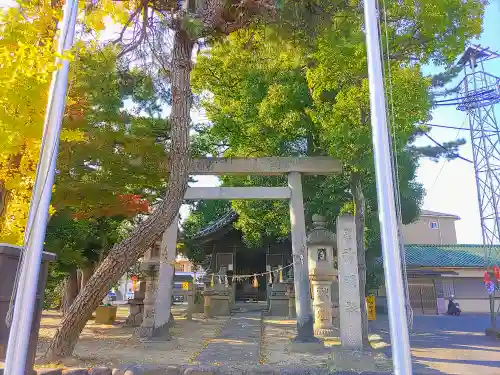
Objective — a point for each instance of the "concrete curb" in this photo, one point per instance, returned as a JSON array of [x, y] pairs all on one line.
[[200, 370], [262, 357]]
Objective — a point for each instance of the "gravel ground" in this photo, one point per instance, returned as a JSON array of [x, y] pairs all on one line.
[[115, 345]]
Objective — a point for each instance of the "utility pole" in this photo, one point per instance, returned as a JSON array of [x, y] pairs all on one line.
[[400, 343], [20, 330]]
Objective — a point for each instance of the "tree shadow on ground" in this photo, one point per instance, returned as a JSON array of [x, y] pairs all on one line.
[[438, 340]]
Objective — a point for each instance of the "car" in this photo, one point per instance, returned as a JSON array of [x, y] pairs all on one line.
[[177, 298], [112, 295]]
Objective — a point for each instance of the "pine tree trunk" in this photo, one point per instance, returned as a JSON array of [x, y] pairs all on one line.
[[359, 219], [124, 254], [85, 275], [70, 292]]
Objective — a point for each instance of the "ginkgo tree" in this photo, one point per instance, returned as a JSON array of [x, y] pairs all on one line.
[[26, 66]]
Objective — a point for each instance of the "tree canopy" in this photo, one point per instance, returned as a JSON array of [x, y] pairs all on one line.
[[270, 94]]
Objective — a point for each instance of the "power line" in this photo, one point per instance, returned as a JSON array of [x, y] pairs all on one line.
[[444, 161], [453, 127], [444, 148]]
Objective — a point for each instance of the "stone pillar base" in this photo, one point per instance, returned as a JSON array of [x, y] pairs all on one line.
[[144, 332], [327, 332]]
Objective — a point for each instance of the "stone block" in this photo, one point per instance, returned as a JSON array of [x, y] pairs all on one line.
[[101, 371], [49, 371], [135, 309], [76, 371], [263, 370], [278, 300], [316, 347], [138, 319], [230, 371], [200, 370], [300, 371], [105, 314], [152, 370]]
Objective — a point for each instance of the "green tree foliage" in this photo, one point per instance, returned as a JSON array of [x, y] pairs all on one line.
[[274, 95], [78, 244], [120, 158], [115, 168], [268, 103]]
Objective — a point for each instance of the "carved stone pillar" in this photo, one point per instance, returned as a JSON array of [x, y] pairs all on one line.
[[322, 273], [350, 310], [150, 265]]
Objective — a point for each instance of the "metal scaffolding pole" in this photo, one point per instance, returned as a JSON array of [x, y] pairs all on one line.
[[27, 286], [400, 342]]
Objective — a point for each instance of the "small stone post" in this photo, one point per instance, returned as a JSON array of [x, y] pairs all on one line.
[[350, 311], [322, 272], [290, 293], [207, 302], [190, 301]]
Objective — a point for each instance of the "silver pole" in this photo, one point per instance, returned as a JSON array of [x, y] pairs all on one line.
[[20, 332], [400, 342]]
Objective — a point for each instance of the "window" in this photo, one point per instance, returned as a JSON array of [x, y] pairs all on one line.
[[433, 225]]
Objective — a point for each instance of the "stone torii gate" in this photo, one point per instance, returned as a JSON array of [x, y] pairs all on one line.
[[156, 315]]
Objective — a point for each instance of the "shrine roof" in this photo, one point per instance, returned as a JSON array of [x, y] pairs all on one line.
[[452, 256], [217, 225]]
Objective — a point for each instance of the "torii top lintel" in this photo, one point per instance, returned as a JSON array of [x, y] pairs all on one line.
[[266, 166]]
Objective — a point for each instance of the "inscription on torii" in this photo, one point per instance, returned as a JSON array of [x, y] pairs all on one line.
[[267, 166]]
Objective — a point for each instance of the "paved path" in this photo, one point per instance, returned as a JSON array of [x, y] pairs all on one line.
[[449, 344], [237, 344]]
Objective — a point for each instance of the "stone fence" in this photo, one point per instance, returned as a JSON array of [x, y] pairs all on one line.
[[199, 370]]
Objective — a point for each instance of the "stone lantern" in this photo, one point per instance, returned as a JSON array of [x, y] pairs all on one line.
[[322, 254], [150, 266]]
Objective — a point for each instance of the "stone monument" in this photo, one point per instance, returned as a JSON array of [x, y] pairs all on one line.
[[322, 273], [217, 301], [278, 300], [350, 311]]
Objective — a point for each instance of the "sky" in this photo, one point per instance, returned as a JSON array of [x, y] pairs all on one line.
[[450, 185]]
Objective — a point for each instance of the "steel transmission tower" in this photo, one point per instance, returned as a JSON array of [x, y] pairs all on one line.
[[478, 93]]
